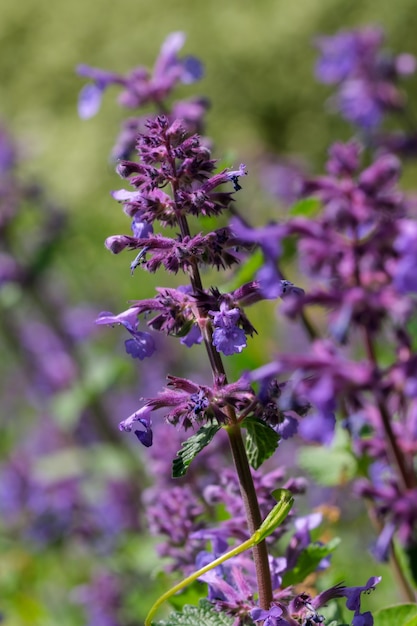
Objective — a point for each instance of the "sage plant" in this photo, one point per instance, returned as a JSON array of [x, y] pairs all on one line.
[[357, 243]]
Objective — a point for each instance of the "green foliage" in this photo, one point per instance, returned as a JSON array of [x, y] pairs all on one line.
[[330, 466], [308, 561], [192, 594], [192, 447], [397, 615], [261, 441], [308, 207], [203, 614]]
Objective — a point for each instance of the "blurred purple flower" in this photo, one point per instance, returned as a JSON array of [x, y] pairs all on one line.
[[366, 75], [141, 87], [405, 274]]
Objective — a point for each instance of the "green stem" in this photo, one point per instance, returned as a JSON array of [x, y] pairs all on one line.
[[274, 519], [253, 514], [247, 488]]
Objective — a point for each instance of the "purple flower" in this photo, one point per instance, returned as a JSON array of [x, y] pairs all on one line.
[[193, 337], [339, 56], [344, 158], [405, 274], [283, 180], [141, 229], [102, 598], [89, 100], [176, 513], [141, 87], [358, 104], [272, 617], [366, 75], [227, 337], [142, 344], [382, 547], [143, 417], [318, 427], [353, 595]]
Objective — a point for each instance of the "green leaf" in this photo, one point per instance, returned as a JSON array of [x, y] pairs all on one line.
[[261, 441], [397, 615], [328, 466], [192, 447], [278, 514], [308, 207], [308, 561], [191, 595], [204, 615]]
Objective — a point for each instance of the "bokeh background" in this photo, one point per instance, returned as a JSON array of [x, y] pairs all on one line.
[[259, 75]]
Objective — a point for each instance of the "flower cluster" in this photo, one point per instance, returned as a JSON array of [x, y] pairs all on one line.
[[142, 87], [368, 86], [366, 75], [358, 253]]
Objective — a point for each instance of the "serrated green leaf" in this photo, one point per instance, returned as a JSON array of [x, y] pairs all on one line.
[[192, 447], [308, 207], [308, 561], [328, 467], [261, 441], [397, 615], [204, 615]]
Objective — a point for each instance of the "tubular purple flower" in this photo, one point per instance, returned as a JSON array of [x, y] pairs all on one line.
[[142, 344], [169, 68], [143, 417], [227, 337], [353, 594], [90, 97]]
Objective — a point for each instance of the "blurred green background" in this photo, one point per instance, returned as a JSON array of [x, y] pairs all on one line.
[[259, 62]]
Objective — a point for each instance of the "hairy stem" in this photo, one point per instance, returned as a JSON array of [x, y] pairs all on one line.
[[253, 515], [404, 465], [247, 487]]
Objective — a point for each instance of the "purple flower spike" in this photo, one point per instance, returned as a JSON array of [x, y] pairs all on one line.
[[366, 75]]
